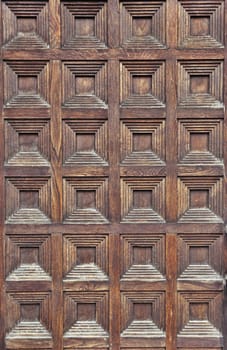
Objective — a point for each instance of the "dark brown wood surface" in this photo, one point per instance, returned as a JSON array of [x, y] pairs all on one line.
[[113, 189]]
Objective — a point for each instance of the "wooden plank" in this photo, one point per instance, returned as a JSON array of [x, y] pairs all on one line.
[[115, 306], [81, 54], [56, 164], [57, 292], [171, 292], [56, 141]]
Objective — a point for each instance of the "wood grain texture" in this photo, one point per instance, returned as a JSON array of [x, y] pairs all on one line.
[[25, 30], [56, 141], [113, 188], [171, 290]]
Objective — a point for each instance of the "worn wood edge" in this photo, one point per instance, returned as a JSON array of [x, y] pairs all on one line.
[[2, 263]]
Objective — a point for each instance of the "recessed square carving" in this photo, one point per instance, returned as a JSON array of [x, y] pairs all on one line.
[[200, 25], [200, 142], [29, 255], [86, 200], [86, 312], [30, 319], [141, 200], [30, 312], [199, 255], [31, 142], [28, 142], [27, 201], [142, 311], [198, 318], [28, 258], [143, 26], [142, 84], [200, 199], [86, 316], [198, 311], [142, 142], [84, 24], [85, 84], [200, 84], [86, 255], [27, 84], [142, 316], [25, 25], [85, 258], [198, 259], [142, 257], [85, 142]]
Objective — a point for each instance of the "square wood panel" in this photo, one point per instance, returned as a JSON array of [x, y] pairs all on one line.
[[85, 142], [28, 257], [85, 258], [31, 142], [198, 318], [197, 85], [25, 25], [84, 84], [84, 24], [86, 200], [29, 322], [200, 199], [143, 142], [86, 318], [142, 200], [143, 26], [26, 84], [142, 84], [28, 200], [142, 257], [198, 258], [200, 141], [142, 318], [200, 24]]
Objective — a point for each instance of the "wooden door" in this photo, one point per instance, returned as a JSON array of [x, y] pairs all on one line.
[[112, 162]]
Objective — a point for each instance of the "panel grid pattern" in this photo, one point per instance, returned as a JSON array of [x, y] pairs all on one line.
[[112, 200]]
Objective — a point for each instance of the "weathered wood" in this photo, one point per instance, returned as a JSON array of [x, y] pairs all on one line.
[[113, 190]]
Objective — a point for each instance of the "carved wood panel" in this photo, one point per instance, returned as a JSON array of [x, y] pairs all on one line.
[[113, 186]]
